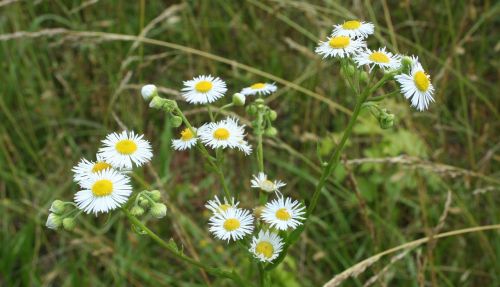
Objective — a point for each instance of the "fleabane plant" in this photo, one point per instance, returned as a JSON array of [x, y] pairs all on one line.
[[268, 220]]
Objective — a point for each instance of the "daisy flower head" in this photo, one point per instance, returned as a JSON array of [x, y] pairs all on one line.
[[260, 181], [187, 140], [340, 47], [416, 86], [216, 206], [353, 29], [232, 224], [203, 89], [378, 58], [123, 149], [283, 213], [103, 191], [223, 134], [86, 167], [266, 246], [262, 89]]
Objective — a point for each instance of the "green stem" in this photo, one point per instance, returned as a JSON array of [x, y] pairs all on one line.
[[174, 251]]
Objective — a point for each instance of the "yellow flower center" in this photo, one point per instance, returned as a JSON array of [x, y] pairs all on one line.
[[282, 214], [203, 86], [126, 147], [102, 187], [231, 224], [221, 134], [258, 86], [351, 25], [379, 57], [100, 165], [265, 248], [186, 134], [421, 81], [339, 42]]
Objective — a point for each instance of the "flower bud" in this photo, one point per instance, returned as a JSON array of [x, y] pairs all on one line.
[[69, 223], [54, 221], [349, 70], [176, 121], [239, 99], [273, 115], [271, 132], [159, 210], [148, 92], [155, 195], [163, 104], [363, 76], [406, 63], [258, 211], [137, 211], [144, 203], [57, 207], [385, 119], [259, 101], [251, 110]]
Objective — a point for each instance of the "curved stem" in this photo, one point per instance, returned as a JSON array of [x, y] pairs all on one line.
[[178, 254]]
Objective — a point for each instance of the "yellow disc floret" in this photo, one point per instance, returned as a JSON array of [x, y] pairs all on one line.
[[231, 224], [283, 214], [258, 86], [203, 86], [126, 147], [339, 42], [379, 57], [351, 25], [421, 81], [102, 187], [100, 165], [265, 248], [186, 134], [221, 134]]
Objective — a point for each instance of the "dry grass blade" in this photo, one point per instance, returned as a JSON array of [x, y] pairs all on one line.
[[357, 269]]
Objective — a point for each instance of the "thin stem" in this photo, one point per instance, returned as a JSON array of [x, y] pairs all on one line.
[[174, 251]]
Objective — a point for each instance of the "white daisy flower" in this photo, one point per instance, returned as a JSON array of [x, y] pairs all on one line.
[[124, 149], [283, 213], [381, 58], [260, 181], [259, 89], [103, 191], [86, 167], [266, 246], [417, 86], [232, 224], [353, 29], [186, 141], [203, 89], [223, 134], [216, 206], [340, 46]]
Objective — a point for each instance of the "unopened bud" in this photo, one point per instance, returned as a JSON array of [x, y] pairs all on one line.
[[57, 207], [363, 76], [406, 63], [271, 132], [159, 210], [251, 110], [239, 99], [163, 104], [144, 203], [385, 119], [273, 115], [54, 221], [155, 195], [137, 211], [69, 223], [258, 211], [148, 92], [176, 121]]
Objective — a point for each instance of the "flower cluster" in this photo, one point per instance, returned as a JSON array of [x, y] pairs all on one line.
[[348, 42]]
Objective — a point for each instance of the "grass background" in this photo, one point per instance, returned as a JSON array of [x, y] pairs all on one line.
[[62, 91]]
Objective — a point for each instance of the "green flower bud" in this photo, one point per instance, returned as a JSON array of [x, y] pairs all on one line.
[[273, 115], [69, 223], [251, 110], [58, 207], [148, 92], [259, 101], [163, 104], [239, 99], [54, 221], [385, 119], [143, 202], [349, 70], [155, 195], [159, 210], [176, 121], [406, 63], [137, 211], [271, 132], [363, 76]]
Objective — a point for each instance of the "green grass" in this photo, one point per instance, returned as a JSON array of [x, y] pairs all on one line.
[[61, 94]]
